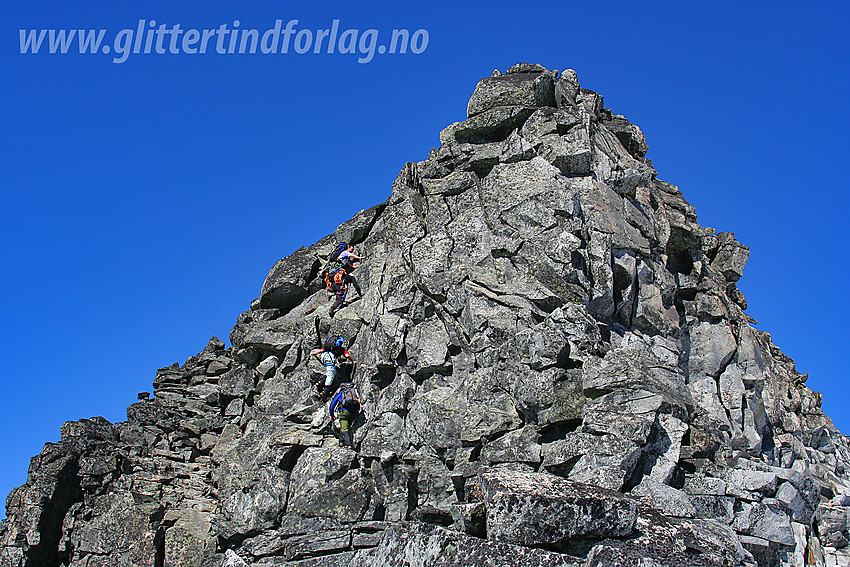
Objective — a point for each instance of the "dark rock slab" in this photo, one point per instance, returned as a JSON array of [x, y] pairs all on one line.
[[535, 509]]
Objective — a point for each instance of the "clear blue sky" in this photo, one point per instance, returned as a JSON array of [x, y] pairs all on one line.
[[145, 201]]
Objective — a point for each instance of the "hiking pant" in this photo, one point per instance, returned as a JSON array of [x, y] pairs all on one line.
[[340, 299], [346, 419], [330, 374], [349, 279]]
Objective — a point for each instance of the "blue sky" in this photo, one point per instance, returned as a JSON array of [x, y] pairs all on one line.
[[145, 201]]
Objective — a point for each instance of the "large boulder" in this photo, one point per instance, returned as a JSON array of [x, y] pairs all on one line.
[[536, 509], [534, 87]]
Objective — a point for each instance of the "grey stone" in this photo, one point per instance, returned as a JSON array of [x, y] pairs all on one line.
[[547, 397], [605, 460], [547, 121], [234, 408], [697, 485], [119, 529], [233, 560], [664, 447], [323, 484], [742, 483], [445, 417], [617, 370], [711, 347], [539, 508], [190, 540], [516, 148], [268, 366], [215, 368], [833, 525], [453, 184], [800, 509], [832, 557], [567, 88], [527, 68], [765, 521], [665, 498], [355, 230], [731, 256], [282, 393], [237, 382], [720, 508], [570, 153], [704, 392], [534, 87], [491, 125], [287, 282], [515, 446], [614, 165], [434, 487], [624, 272], [386, 434], [629, 135], [427, 347], [653, 315], [605, 211], [590, 101], [419, 545]]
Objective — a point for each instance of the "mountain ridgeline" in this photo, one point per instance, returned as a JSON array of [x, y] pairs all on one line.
[[555, 368]]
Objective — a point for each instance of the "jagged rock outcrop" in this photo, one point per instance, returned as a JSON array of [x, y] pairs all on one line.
[[556, 369]]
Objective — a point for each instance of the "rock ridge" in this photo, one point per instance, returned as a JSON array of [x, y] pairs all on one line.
[[556, 369]]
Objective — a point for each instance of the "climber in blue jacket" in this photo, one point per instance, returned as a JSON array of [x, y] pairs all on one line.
[[346, 407]]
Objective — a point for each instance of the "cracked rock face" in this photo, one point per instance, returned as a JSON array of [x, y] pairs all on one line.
[[555, 368]]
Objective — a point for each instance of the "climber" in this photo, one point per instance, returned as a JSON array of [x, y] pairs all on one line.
[[328, 356], [332, 265], [346, 404], [339, 288], [337, 274], [333, 261], [347, 258]]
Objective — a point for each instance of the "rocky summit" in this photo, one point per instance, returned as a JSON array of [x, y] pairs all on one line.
[[555, 368]]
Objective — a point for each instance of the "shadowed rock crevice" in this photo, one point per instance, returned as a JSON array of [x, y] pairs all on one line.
[[66, 492]]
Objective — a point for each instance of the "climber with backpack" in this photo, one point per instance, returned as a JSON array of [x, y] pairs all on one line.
[[337, 274], [347, 258], [345, 407], [339, 287], [333, 262], [328, 356]]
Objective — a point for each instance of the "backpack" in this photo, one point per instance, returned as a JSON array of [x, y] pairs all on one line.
[[333, 278], [328, 271], [340, 248], [334, 281], [334, 341], [349, 398]]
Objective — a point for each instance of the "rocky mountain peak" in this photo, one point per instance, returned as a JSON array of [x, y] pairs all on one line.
[[554, 367]]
